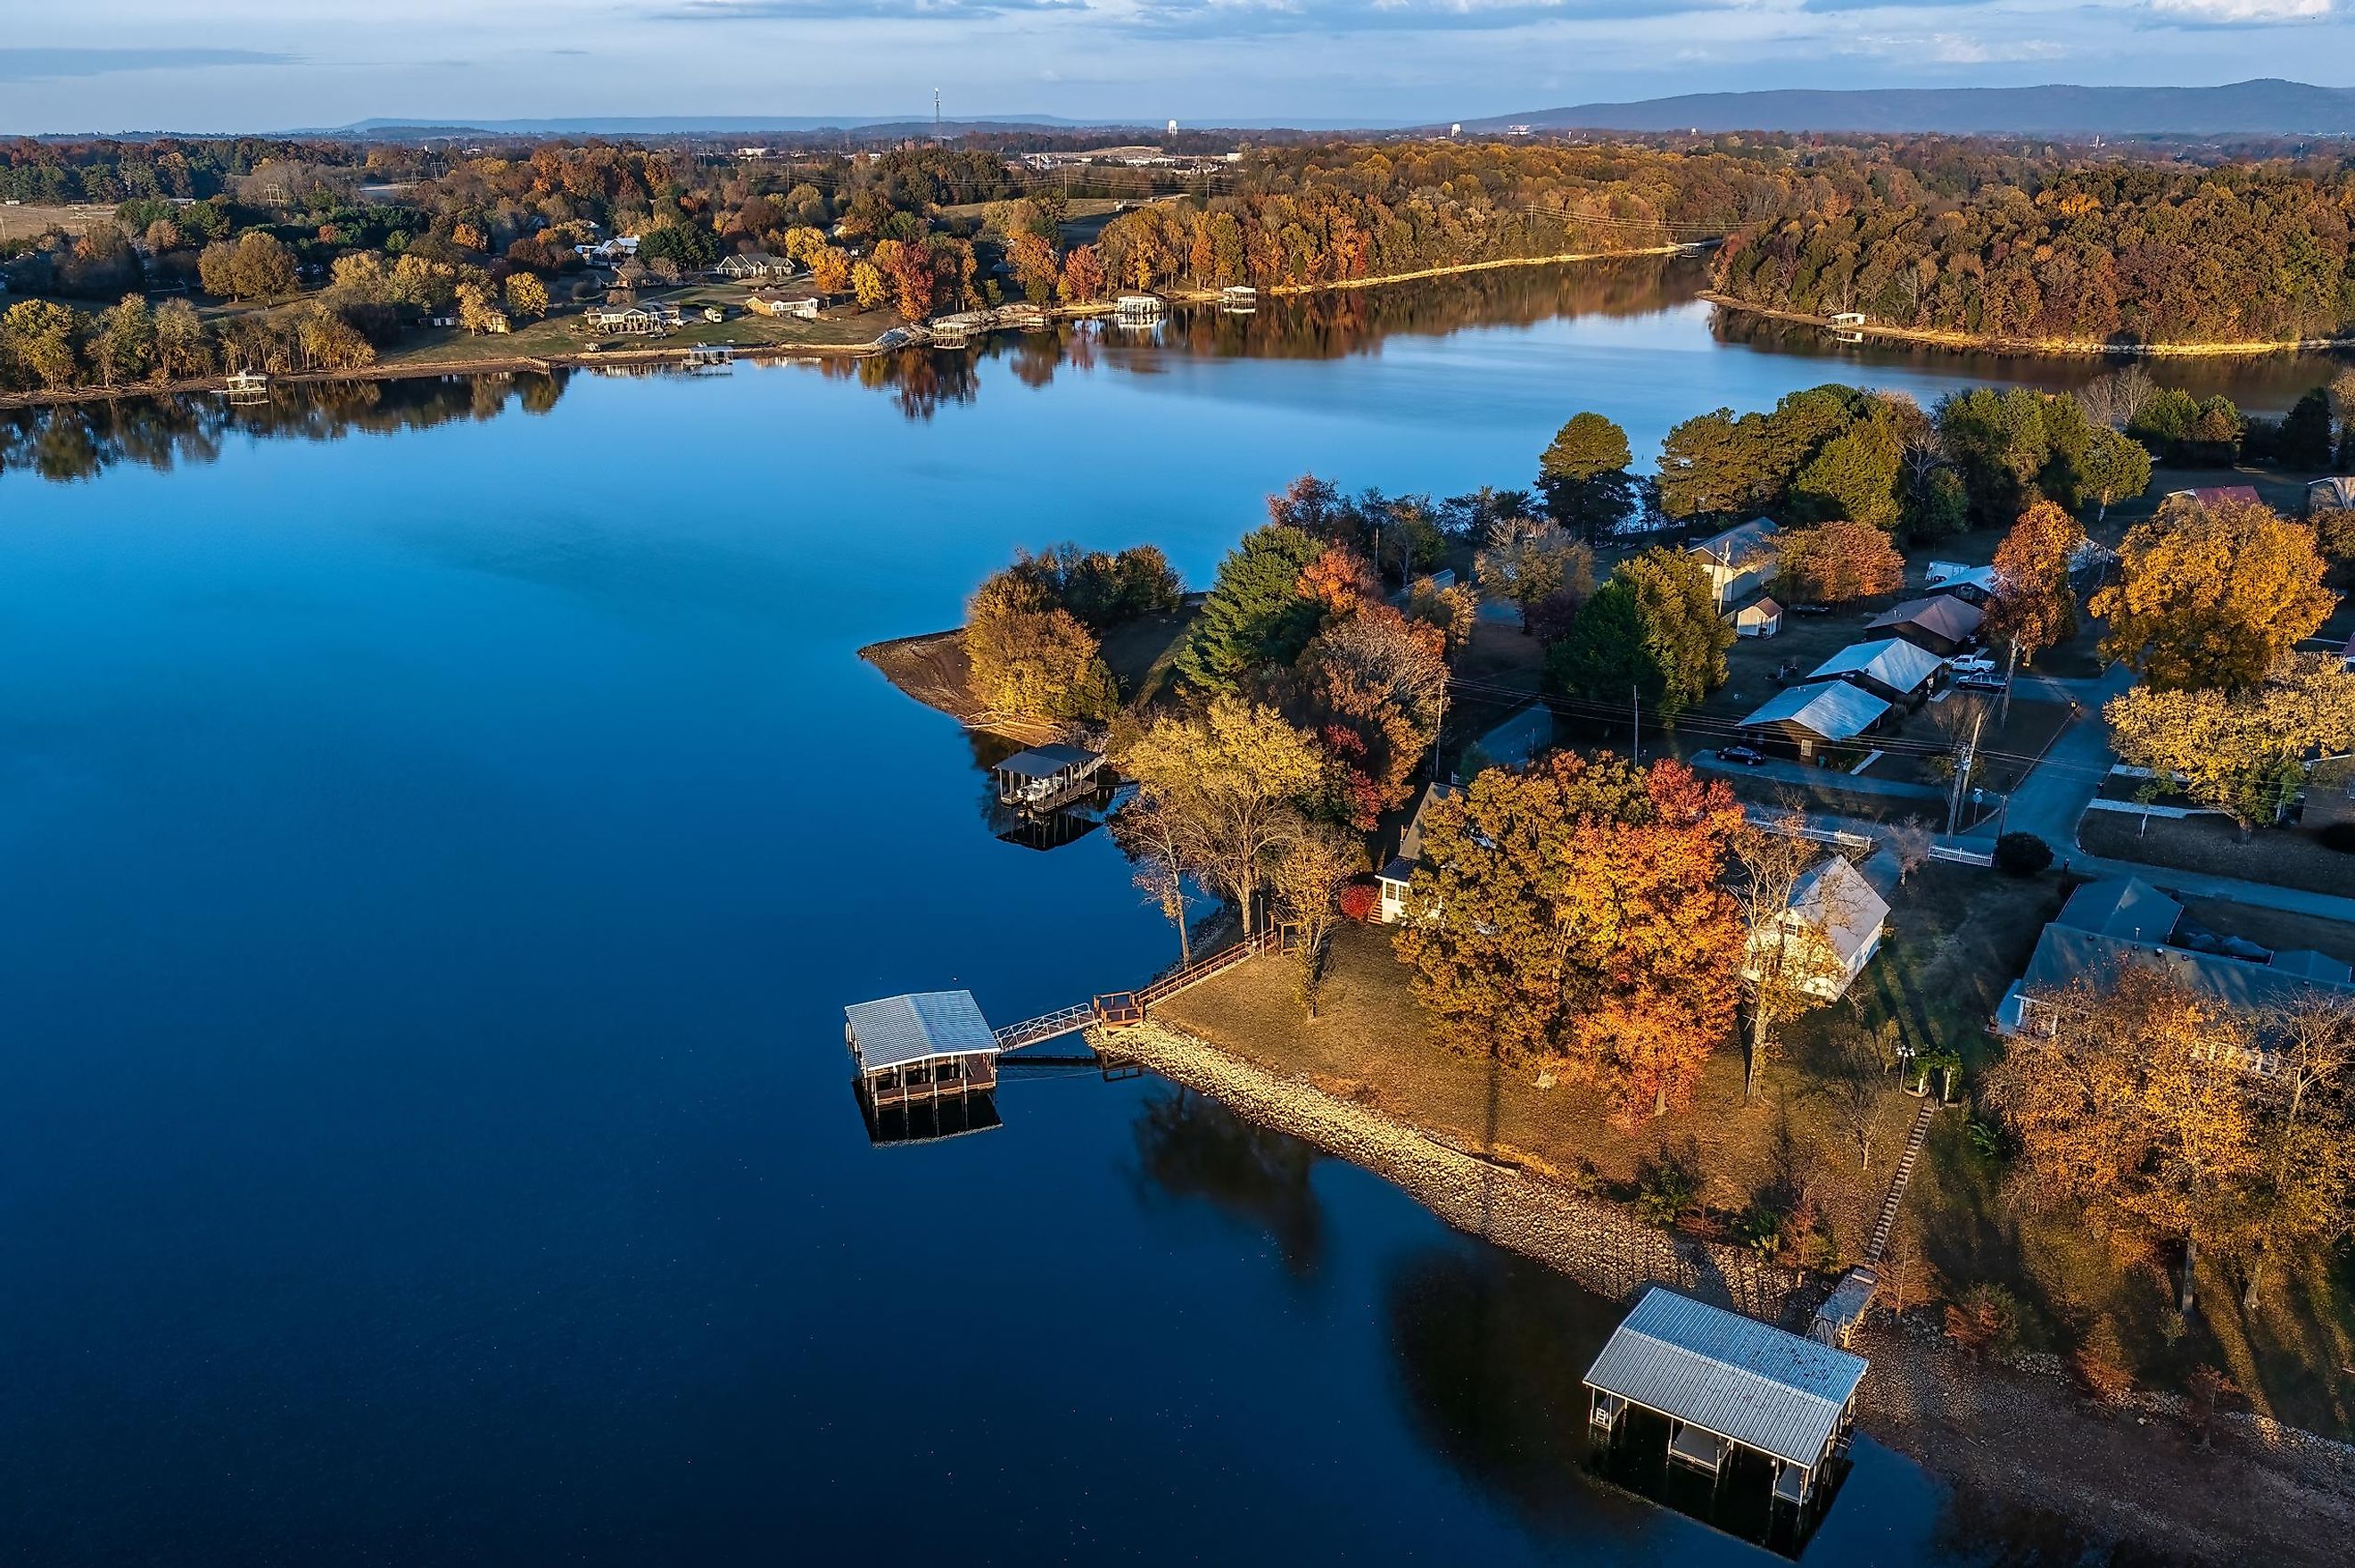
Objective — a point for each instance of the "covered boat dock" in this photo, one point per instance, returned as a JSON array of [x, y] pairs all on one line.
[[1725, 1382], [1046, 776], [928, 1045]]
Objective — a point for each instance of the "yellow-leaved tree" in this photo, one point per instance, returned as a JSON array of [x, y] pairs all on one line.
[[2213, 595], [1237, 774]]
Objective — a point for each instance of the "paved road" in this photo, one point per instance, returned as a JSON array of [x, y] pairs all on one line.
[[2056, 792]]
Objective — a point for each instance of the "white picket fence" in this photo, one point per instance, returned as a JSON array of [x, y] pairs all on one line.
[[1957, 854]]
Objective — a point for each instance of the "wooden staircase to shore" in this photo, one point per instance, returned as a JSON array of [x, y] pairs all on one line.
[[1879, 1246]]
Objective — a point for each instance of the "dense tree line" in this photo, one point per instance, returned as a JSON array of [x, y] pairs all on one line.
[[2111, 250]]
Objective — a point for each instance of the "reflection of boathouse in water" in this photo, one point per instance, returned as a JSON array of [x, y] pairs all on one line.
[[1718, 1415]]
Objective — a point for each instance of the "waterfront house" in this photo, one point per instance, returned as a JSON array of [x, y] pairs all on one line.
[[620, 320], [2334, 493], [769, 303], [1812, 718], [1398, 874], [1830, 900], [2123, 920], [1741, 560], [1762, 617], [2218, 495], [1891, 669], [1944, 623]]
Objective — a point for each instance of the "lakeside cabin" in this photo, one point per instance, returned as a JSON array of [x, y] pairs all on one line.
[[1831, 901], [765, 302], [1045, 776], [1727, 1385], [927, 1045]]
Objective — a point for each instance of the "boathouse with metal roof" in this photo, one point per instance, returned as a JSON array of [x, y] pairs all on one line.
[[1725, 1382], [921, 1046]]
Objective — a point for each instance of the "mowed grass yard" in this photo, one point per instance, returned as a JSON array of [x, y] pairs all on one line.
[[2286, 857], [1371, 1045]]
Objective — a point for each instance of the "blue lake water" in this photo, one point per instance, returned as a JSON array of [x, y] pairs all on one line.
[[436, 859]]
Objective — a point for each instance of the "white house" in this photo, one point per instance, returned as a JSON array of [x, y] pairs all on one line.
[[761, 302], [1394, 878], [1740, 561], [1832, 901]]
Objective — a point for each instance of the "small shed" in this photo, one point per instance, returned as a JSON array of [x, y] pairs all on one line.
[[1830, 713], [1944, 623], [1045, 776], [1762, 617], [1724, 1382], [923, 1045]]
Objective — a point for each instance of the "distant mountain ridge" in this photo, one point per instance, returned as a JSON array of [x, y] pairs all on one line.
[[2265, 107]]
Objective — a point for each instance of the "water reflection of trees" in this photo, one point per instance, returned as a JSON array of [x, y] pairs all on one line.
[[1491, 1351], [80, 441], [1305, 326], [1190, 1147]]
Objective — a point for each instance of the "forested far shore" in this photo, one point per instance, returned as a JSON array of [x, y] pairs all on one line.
[[2073, 251]]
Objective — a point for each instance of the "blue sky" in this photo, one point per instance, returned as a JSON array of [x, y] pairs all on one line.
[[270, 64]]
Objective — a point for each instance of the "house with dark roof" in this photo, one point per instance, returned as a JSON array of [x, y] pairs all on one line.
[[1897, 672], [2123, 920], [1826, 713], [1398, 874], [1944, 623]]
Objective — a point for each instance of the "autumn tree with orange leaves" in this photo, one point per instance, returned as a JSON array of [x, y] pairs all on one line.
[[1571, 914], [1839, 561], [2035, 605]]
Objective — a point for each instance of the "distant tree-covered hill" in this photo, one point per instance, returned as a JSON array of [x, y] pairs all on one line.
[[2270, 108]]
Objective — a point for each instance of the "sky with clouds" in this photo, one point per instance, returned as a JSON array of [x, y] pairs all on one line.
[[275, 64]]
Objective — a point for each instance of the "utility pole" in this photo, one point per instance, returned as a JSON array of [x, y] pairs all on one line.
[[2011, 666], [1635, 721], [1963, 777]]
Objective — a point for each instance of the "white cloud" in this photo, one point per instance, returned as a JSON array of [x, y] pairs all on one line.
[[2231, 13]]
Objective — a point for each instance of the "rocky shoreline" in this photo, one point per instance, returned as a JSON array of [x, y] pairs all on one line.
[[2020, 1438]]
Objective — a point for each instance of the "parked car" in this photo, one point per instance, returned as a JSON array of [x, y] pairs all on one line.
[[1748, 756], [1987, 682], [1972, 664], [1811, 608]]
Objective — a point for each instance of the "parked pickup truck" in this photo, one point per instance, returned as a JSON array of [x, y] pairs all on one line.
[[1971, 664]]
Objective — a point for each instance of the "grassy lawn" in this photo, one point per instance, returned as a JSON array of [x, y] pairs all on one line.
[[1371, 1046], [2286, 857]]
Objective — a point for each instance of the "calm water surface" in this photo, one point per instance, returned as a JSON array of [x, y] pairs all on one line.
[[436, 861]]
